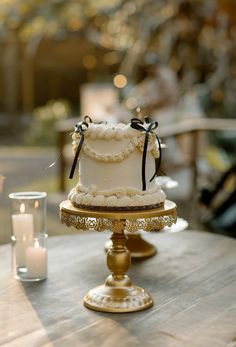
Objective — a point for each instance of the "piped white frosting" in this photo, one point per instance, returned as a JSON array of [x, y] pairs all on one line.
[[91, 198], [134, 137]]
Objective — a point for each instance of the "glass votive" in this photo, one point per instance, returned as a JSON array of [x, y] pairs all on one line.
[[28, 221], [29, 258]]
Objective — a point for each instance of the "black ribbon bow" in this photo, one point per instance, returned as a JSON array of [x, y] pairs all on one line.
[[137, 124], [79, 129]]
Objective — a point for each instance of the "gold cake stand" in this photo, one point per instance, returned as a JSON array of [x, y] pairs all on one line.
[[138, 247], [118, 294]]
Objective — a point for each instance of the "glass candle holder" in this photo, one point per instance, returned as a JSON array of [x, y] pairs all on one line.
[[29, 237], [29, 258]]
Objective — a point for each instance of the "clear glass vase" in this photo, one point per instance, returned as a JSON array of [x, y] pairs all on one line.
[[29, 237]]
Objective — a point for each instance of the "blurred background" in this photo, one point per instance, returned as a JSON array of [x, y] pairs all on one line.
[[173, 60]]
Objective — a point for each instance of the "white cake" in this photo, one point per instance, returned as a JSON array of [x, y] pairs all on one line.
[[110, 168]]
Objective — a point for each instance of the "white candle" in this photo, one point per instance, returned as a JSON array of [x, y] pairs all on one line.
[[36, 261], [23, 230], [20, 251], [23, 224]]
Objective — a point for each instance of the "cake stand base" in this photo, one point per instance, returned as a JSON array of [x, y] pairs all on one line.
[[110, 298], [138, 247]]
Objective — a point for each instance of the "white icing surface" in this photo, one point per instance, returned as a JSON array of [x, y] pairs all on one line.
[[110, 167], [126, 173]]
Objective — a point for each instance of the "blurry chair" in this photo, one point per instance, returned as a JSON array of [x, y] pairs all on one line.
[[220, 204], [194, 127]]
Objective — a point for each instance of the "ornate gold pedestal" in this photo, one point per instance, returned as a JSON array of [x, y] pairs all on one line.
[[137, 246], [118, 294]]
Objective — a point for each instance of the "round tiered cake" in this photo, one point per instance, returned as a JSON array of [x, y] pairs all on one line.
[[117, 167]]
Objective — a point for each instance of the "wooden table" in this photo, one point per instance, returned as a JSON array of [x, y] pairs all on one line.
[[192, 281]]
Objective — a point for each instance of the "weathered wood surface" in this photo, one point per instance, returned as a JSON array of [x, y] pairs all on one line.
[[192, 281]]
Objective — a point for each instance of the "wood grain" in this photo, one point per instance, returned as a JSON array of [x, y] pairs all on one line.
[[192, 281]]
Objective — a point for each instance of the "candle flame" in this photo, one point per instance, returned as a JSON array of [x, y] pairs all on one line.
[[36, 204], [22, 208]]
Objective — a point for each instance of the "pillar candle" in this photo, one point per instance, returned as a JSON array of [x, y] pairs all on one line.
[[23, 226], [23, 230], [36, 261], [20, 251]]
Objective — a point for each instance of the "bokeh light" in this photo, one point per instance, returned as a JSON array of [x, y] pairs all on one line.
[[120, 81], [89, 61]]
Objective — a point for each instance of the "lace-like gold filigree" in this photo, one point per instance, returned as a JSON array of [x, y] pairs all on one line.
[[145, 222]]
